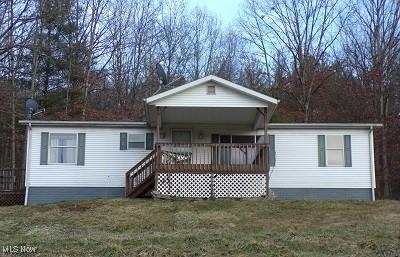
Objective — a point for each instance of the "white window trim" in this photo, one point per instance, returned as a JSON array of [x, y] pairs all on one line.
[[76, 149], [326, 151], [135, 149]]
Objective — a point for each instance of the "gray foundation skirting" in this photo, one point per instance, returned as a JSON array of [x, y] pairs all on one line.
[[323, 193], [38, 195]]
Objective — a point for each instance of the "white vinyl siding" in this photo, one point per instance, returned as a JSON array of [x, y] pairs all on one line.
[[105, 164], [296, 153], [296, 157], [297, 160], [199, 97]]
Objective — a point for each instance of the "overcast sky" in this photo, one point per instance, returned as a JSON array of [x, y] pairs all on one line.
[[226, 10]]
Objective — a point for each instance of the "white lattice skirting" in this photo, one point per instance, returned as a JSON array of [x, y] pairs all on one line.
[[207, 185]]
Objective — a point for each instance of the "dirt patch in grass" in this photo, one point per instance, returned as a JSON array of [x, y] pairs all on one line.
[[146, 227]]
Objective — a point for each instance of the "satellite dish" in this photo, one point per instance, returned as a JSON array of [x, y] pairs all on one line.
[[31, 107], [161, 74]]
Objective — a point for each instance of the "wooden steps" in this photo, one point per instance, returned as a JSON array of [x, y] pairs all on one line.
[[141, 178]]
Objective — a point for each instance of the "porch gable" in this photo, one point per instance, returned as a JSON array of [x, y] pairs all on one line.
[[210, 100], [212, 91]]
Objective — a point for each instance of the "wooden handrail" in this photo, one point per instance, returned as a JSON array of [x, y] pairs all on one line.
[[140, 173], [213, 157], [212, 144]]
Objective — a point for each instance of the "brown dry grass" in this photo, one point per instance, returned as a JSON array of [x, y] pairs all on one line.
[[137, 227]]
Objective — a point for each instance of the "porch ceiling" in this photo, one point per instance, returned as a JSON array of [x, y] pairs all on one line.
[[205, 115]]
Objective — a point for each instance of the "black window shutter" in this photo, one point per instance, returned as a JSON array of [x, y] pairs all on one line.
[[44, 148], [321, 151], [123, 141], [150, 141], [81, 149], [347, 151]]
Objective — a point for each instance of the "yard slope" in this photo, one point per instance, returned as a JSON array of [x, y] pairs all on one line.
[[145, 227]]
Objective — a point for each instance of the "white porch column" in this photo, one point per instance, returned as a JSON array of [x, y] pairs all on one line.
[[159, 121], [266, 154]]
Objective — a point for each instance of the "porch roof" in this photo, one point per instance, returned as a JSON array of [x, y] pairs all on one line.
[[228, 103]]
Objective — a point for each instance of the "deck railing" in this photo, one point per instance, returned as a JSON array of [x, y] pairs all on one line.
[[212, 158], [138, 175], [12, 179], [12, 186]]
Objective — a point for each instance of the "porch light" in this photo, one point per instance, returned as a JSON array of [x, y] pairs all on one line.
[[162, 134]]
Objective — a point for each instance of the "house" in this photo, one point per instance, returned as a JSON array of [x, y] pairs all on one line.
[[209, 138]]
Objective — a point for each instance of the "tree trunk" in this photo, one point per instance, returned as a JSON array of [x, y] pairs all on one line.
[[385, 167], [306, 113], [35, 60], [13, 87], [13, 132]]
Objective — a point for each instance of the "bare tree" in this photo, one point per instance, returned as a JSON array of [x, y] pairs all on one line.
[[372, 49], [12, 62], [134, 34], [94, 24], [228, 57], [205, 34], [173, 39], [256, 34], [304, 31], [14, 32], [11, 20]]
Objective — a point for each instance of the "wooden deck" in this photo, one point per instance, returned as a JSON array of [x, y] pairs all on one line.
[[195, 159]]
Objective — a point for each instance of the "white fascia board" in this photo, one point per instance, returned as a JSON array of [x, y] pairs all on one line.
[[56, 123], [324, 125]]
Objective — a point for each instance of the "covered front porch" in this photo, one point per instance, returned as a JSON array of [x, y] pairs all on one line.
[[206, 134]]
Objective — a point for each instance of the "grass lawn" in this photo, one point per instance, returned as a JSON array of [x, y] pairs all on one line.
[[145, 227]]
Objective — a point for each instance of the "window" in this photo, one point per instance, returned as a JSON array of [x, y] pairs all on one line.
[[136, 141], [181, 136], [211, 90], [335, 150], [63, 148]]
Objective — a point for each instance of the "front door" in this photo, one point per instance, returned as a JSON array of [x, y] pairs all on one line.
[[225, 152], [183, 153]]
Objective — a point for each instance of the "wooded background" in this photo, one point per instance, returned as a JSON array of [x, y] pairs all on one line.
[[326, 60]]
